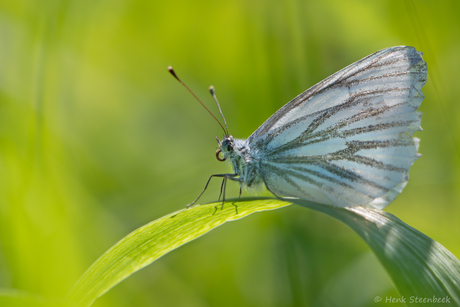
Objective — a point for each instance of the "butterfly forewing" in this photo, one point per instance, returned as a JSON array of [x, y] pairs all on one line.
[[347, 141]]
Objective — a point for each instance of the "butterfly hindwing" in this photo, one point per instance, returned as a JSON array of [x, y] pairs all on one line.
[[347, 141]]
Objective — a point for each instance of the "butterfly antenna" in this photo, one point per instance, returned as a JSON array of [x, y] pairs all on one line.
[[213, 93], [171, 70]]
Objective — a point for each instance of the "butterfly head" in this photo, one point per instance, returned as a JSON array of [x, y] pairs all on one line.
[[226, 148]]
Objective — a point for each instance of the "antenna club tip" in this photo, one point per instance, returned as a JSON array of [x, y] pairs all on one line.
[[171, 70], [212, 90]]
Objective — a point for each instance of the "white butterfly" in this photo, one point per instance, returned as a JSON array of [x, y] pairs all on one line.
[[346, 141]]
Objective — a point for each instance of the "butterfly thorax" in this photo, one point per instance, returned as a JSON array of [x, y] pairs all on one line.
[[244, 164]]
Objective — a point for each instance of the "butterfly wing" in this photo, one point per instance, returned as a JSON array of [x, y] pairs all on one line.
[[347, 141]]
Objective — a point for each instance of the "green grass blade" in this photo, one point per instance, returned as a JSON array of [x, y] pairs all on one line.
[[148, 243], [418, 265]]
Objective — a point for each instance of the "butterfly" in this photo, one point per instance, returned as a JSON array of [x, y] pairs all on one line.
[[344, 142]]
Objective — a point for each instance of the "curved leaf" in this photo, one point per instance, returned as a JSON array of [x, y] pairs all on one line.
[[148, 243], [418, 265]]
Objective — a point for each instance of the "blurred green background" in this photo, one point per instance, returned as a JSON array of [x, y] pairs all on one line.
[[97, 139]]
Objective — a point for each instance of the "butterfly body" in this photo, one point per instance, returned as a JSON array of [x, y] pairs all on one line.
[[245, 164], [346, 141]]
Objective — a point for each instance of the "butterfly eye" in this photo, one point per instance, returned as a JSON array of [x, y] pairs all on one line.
[[218, 152], [230, 147]]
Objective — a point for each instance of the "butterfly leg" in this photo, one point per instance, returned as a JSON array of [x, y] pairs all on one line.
[[207, 183], [225, 187], [221, 189], [224, 182]]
